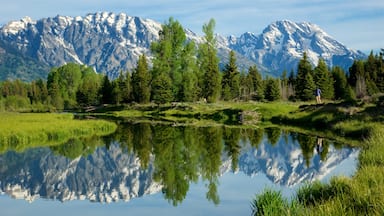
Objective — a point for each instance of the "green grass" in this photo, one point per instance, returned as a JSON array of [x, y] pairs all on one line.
[[361, 194], [19, 131]]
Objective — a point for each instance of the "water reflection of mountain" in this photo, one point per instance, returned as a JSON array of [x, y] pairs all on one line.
[[284, 163], [171, 163], [104, 176]]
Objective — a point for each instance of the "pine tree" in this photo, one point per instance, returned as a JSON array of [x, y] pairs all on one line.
[[141, 81], [323, 80], [257, 91], [231, 79], [305, 85], [272, 89], [209, 77], [357, 79], [106, 91], [340, 83], [162, 89]]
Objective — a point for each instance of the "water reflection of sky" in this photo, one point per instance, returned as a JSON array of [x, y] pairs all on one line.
[[235, 190]]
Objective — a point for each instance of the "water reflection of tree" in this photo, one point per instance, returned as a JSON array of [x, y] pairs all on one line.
[[273, 134], [211, 148], [78, 147], [142, 143], [308, 146], [232, 147], [182, 154]]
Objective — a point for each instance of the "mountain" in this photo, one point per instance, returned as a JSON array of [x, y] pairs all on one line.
[[281, 45], [111, 43]]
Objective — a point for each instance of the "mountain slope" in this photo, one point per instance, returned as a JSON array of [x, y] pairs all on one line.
[[282, 44], [111, 43]]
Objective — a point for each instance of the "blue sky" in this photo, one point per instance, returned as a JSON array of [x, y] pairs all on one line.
[[359, 24]]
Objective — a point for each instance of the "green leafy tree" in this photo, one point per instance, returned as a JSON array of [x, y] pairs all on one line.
[[209, 77], [54, 92], [189, 89], [168, 56], [231, 79], [88, 92], [141, 79]]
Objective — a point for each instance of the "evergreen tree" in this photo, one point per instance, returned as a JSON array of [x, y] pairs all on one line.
[[272, 89], [162, 89], [357, 79], [284, 86], [209, 77], [141, 79], [125, 87], [323, 80], [231, 79], [305, 85], [246, 86], [106, 91], [257, 89], [340, 83]]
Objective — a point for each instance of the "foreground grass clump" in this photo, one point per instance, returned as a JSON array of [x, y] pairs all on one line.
[[361, 194], [272, 202], [21, 130]]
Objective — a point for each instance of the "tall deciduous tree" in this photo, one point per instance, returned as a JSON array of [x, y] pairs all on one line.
[[209, 77], [167, 63]]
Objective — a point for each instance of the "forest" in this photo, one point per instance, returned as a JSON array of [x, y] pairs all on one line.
[[181, 71]]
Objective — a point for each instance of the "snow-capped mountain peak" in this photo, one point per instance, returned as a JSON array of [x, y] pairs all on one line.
[[282, 44], [111, 43], [14, 27]]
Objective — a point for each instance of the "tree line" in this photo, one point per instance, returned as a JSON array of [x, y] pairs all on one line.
[[182, 71]]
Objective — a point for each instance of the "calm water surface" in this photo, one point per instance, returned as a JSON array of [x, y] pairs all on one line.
[[146, 169]]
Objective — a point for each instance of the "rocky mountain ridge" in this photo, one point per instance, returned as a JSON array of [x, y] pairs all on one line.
[[111, 43]]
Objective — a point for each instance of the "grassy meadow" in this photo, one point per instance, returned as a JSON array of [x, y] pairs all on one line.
[[19, 131]]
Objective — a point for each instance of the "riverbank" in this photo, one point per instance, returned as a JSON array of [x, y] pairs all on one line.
[[358, 195]]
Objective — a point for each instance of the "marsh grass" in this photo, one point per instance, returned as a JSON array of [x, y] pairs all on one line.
[[362, 194], [19, 131]]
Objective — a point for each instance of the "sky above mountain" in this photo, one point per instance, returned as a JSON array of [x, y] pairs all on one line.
[[355, 23]]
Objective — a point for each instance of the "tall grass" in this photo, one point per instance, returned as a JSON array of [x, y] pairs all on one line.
[[21, 130]]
